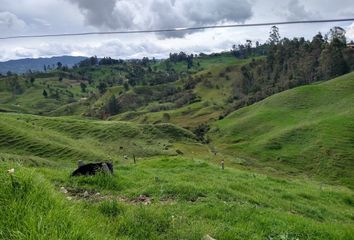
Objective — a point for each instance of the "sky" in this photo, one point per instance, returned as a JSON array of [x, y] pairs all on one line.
[[29, 17]]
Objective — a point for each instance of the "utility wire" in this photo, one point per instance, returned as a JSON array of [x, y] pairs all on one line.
[[178, 29]]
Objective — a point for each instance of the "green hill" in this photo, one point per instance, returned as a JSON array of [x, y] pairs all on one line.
[[62, 138], [189, 196], [307, 130]]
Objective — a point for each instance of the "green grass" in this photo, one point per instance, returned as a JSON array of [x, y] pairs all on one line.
[[308, 130], [31, 100], [67, 139], [190, 198]]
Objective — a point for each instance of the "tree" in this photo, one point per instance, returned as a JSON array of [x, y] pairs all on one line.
[[112, 106], [45, 94], [332, 62], [83, 87], [126, 86], [59, 65], [201, 131], [338, 33], [166, 117], [14, 85], [102, 87], [93, 61], [274, 36], [249, 47], [32, 79]]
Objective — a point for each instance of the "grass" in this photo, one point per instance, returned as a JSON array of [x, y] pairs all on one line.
[[31, 100], [190, 198], [67, 140], [307, 130], [289, 165], [218, 77]]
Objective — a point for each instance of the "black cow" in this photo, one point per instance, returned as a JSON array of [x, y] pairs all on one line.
[[93, 169]]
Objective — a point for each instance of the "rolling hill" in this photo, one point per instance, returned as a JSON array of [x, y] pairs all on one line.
[[64, 140], [307, 130]]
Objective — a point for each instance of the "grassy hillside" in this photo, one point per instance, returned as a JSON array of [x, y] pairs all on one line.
[[30, 98], [189, 96], [306, 130], [213, 88], [66, 139]]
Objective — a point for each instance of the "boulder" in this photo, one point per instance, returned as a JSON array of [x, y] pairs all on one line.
[[93, 169]]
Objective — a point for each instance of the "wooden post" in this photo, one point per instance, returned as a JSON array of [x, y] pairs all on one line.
[[222, 164], [134, 158]]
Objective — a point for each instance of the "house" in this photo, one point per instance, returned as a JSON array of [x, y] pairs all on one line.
[[350, 45]]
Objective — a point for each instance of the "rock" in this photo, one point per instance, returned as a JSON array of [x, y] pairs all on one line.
[[207, 237], [69, 198], [143, 199], [106, 168], [80, 163], [179, 152], [86, 194], [63, 190], [94, 168]]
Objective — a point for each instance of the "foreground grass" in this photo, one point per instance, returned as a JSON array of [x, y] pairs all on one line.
[[190, 198]]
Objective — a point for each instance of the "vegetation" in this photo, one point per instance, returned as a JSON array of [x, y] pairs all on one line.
[[307, 130], [279, 116]]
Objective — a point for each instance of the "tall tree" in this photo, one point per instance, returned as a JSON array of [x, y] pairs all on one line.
[[112, 106], [338, 33], [59, 65], [83, 87], [45, 94], [274, 36]]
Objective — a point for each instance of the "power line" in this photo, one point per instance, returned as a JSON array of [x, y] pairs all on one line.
[[178, 29]]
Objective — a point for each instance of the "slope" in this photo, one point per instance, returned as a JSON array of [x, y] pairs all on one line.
[[308, 130], [39, 139]]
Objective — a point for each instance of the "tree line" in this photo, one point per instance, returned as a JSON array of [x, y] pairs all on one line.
[[289, 63]]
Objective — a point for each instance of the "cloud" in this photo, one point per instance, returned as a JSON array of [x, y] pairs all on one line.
[[23, 17], [161, 14], [297, 11], [10, 23]]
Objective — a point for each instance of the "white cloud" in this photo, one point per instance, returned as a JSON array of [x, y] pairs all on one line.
[[10, 23]]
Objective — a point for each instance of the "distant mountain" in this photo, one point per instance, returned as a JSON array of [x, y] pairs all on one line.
[[36, 64]]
